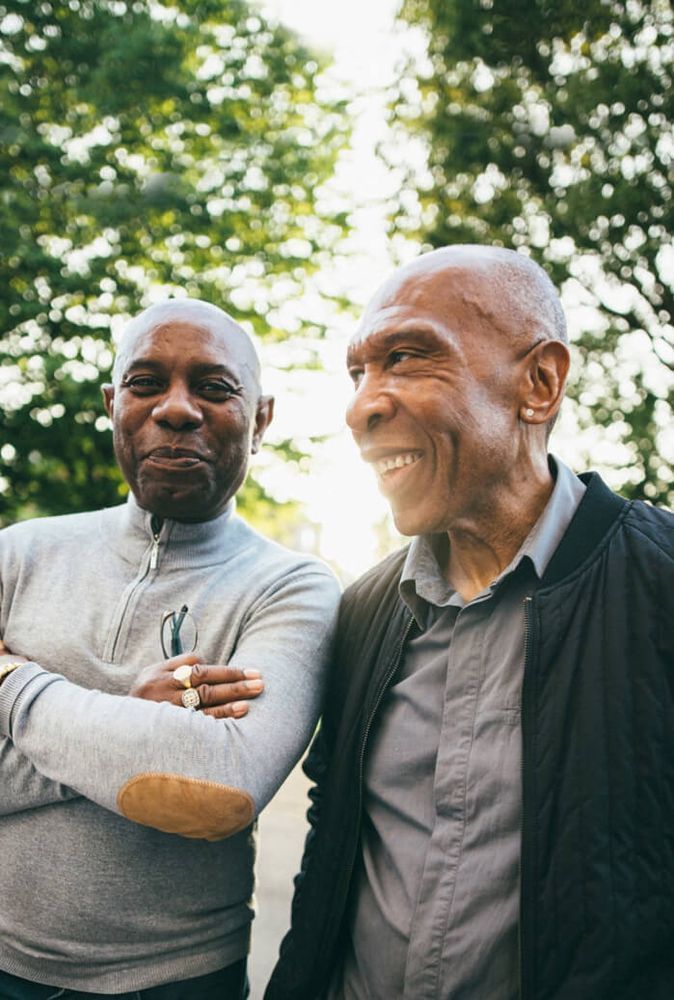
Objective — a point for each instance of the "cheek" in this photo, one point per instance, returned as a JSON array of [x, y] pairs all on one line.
[[233, 450], [127, 444], [124, 439], [233, 434], [120, 437]]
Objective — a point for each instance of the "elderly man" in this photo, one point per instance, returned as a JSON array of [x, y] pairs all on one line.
[[125, 818], [494, 810]]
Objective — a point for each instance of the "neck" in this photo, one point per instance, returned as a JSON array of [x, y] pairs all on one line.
[[484, 543]]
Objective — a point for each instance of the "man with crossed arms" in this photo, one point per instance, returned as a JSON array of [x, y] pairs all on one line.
[[125, 817]]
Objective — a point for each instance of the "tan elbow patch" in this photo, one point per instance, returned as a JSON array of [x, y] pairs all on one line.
[[186, 806]]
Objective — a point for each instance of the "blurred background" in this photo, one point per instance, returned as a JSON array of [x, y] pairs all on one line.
[[279, 158]]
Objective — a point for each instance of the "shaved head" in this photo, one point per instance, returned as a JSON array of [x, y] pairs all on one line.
[[200, 314], [508, 290]]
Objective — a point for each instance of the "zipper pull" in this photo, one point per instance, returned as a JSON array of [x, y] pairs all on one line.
[[155, 524]]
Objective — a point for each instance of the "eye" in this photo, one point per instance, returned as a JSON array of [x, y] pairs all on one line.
[[143, 385], [218, 389], [397, 357], [356, 374]]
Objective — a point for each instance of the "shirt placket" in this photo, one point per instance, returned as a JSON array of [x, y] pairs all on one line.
[[433, 911]]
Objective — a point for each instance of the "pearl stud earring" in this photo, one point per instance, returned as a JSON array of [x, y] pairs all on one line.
[[528, 412]]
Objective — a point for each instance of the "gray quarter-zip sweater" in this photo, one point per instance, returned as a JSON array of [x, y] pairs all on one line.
[[114, 876]]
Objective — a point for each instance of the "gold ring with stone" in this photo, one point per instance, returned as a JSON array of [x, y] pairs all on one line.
[[190, 698], [183, 675]]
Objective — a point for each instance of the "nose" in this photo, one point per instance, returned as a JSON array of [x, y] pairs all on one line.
[[370, 405], [178, 409]]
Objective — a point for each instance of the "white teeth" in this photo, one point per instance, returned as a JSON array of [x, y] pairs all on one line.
[[396, 462]]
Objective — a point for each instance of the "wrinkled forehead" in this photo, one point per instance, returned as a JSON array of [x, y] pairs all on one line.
[[428, 292], [471, 289]]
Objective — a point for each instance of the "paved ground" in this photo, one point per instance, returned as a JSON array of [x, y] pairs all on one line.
[[281, 837]]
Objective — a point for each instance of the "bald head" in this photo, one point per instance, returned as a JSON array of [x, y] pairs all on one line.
[[508, 291], [202, 315]]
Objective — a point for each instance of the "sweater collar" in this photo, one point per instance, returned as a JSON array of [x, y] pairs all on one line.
[[177, 543]]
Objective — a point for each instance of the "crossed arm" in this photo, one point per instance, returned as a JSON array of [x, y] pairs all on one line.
[[23, 787], [224, 692], [161, 765]]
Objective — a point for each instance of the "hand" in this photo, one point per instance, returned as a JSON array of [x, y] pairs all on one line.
[[223, 691]]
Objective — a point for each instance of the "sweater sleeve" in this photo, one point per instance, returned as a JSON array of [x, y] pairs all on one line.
[[23, 787], [176, 770]]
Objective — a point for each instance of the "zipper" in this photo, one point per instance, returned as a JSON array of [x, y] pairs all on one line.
[[393, 666], [111, 646], [155, 525], [526, 700]]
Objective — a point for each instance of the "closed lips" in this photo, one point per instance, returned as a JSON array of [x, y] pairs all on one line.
[[173, 453]]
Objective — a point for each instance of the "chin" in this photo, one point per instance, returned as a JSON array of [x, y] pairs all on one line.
[[415, 522], [188, 506], [409, 525]]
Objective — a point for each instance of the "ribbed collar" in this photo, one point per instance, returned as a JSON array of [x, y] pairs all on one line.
[[181, 544]]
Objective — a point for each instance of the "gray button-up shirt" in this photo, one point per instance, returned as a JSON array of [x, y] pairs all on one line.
[[435, 910]]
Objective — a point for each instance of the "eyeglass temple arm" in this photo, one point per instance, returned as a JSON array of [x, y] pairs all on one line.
[[176, 625]]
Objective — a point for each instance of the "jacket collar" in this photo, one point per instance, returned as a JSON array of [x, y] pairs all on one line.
[[597, 513]]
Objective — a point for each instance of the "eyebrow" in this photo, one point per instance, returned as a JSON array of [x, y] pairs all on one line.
[[382, 342], [202, 368]]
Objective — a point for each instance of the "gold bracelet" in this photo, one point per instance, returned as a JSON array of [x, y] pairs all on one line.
[[7, 668]]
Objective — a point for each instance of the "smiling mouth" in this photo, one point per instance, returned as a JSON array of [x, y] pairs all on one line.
[[385, 466]]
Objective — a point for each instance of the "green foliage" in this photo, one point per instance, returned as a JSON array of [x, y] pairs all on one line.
[[145, 150], [549, 127]]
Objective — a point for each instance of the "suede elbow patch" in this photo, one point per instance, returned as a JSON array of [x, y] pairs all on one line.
[[187, 806]]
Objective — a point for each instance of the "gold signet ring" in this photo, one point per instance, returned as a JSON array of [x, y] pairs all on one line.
[[191, 699], [183, 675]]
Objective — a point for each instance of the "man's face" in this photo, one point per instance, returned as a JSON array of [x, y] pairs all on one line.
[[186, 415], [435, 407]]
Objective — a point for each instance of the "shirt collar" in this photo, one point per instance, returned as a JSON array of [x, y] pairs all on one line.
[[422, 582], [548, 531]]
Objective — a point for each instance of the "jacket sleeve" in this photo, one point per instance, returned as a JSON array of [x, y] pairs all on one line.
[[175, 770], [23, 787]]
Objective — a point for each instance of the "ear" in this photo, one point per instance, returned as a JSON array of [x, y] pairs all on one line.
[[545, 379], [263, 417], [108, 398]]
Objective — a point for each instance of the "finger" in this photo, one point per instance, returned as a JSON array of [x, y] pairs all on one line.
[[235, 711], [216, 673], [184, 659], [226, 694]]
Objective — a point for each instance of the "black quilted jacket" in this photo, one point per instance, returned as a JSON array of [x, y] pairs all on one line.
[[597, 897]]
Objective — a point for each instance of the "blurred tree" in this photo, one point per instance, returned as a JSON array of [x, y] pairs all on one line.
[[549, 127], [146, 150]]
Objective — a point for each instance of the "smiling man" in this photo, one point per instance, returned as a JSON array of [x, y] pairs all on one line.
[[126, 820], [493, 806], [188, 474]]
